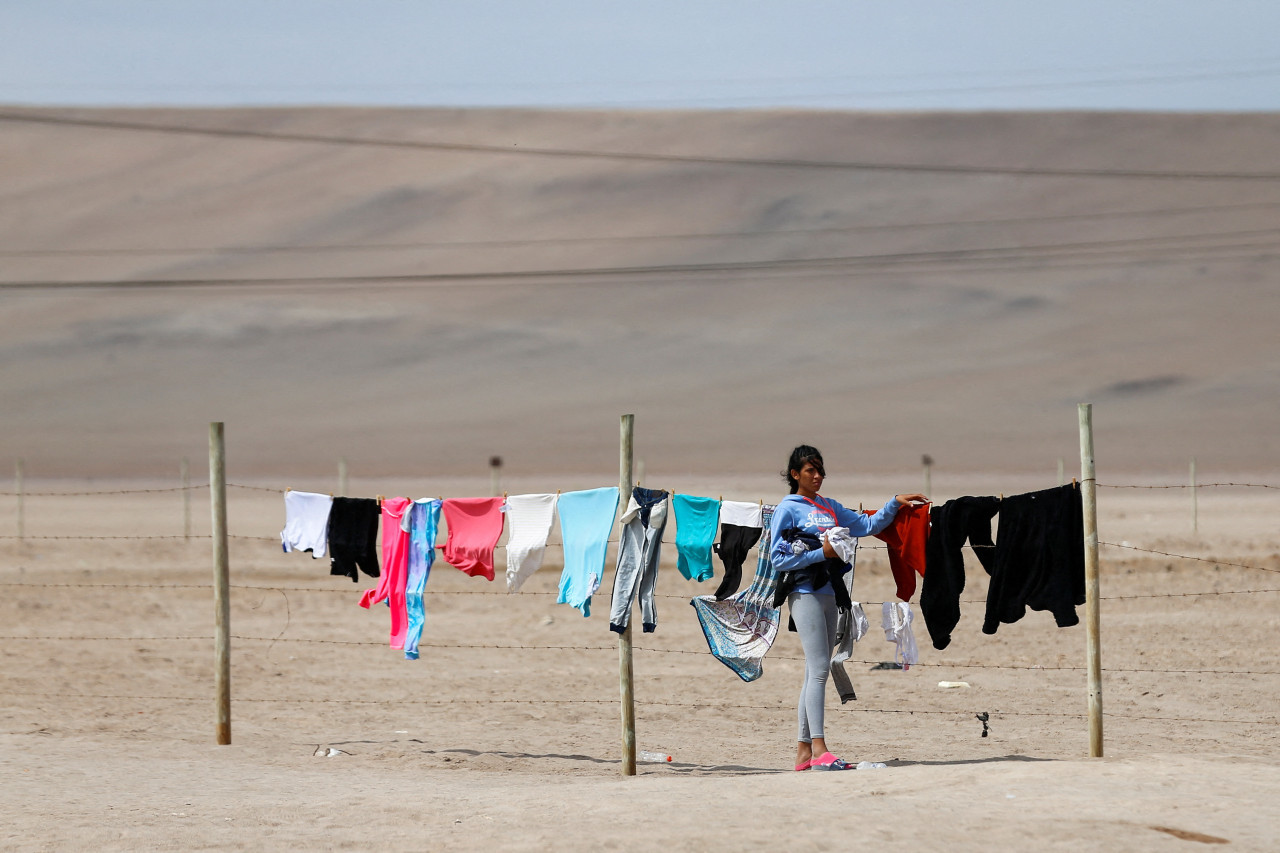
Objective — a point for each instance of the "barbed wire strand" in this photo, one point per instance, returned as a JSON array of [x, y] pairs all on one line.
[[274, 490], [26, 494], [445, 703], [1188, 557], [953, 665], [348, 590], [1189, 486]]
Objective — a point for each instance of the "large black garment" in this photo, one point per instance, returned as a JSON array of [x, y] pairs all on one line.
[[949, 526], [353, 537], [1039, 558], [735, 542]]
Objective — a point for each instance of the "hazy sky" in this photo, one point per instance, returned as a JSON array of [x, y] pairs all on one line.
[[904, 54]]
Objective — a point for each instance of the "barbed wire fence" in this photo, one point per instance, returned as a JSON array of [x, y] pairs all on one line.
[[18, 588]]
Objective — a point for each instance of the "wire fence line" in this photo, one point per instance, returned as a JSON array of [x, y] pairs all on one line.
[[1190, 486], [348, 590], [26, 494], [652, 703], [1188, 557], [277, 491], [446, 647], [950, 665]]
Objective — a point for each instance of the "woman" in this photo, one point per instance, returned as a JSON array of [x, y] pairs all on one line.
[[805, 574]]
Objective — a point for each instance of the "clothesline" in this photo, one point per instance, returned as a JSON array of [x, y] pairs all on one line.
[[739, 626]]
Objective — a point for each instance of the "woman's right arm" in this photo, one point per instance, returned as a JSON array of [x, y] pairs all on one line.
[[780, 553]]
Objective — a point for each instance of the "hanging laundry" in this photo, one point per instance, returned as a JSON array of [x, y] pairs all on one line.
[[639, 553], [1039, 558], [421, 523], [740, 529], [907, 538], [586, 520], [395, 564], [695, 532], [353, 537], [741, 628], [851, 626], [306, 522], [475, 525], [950, 524], [529, 518], [897, 618]]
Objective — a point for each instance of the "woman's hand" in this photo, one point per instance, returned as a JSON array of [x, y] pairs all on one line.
[[913, 498], [827, 550]]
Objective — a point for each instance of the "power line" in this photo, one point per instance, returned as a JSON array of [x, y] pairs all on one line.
[[1095, 83], [638, 157], [1047, 251], [710, 235]]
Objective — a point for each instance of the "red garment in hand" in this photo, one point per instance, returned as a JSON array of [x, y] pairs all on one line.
[[395, 569], [906, 537], [474, 527]]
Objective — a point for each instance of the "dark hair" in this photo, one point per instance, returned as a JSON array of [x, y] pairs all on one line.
[[802, 454]]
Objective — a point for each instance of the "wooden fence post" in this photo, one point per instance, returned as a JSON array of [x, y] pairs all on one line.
[[1195, 509], [1089, 494], [625, 673], [221, 583], [185, 470], [19, 488]]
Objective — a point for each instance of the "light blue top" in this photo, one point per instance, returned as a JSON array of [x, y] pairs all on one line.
[[795, 511], [586, 521], [695, 532]]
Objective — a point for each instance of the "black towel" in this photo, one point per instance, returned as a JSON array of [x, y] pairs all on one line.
[[1039, 558], [950, 524], [353, 537], [735, 542]]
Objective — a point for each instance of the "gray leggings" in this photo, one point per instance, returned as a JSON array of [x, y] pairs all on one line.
[[815, 618]]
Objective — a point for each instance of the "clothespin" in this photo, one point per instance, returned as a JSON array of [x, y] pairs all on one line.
[[1073, 483], [1002, 496], [859, 506], [289, 489]]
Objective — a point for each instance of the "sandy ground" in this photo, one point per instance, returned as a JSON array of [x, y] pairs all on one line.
[[108, 743]]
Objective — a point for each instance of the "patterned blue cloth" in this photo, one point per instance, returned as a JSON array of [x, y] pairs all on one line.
[[741, 629], [422, 519]]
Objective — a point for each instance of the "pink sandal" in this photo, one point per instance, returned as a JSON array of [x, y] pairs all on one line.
[[805, 765], [827, 761]]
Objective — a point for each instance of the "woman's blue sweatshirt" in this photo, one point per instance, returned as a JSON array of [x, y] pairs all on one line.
[[795, 511]]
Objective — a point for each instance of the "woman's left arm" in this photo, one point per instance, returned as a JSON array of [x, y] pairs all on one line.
[[861, 524]]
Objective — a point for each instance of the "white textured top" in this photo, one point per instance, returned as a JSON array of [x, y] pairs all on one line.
[[529, 519], [306, 522]]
